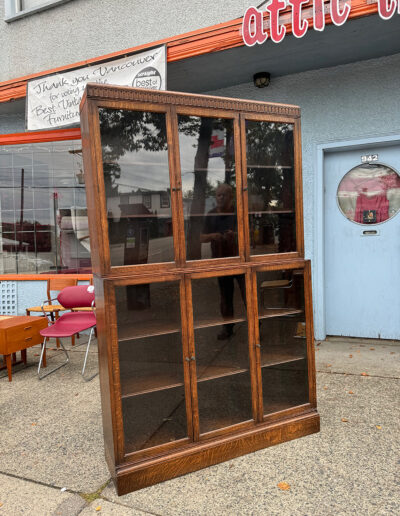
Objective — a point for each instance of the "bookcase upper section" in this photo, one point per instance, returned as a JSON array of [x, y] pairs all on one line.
[[182, 181]]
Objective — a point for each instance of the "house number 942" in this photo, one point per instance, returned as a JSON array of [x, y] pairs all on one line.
[[368, 158]]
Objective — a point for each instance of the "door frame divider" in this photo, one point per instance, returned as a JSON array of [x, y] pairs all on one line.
[[318, 262]]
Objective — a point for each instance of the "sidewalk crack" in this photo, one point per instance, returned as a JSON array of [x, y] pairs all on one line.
[[359, 374]]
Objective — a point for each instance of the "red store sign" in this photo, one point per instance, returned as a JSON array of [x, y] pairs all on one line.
[[254, 26]]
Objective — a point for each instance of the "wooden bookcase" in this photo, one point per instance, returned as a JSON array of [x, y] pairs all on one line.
[[203, 296]]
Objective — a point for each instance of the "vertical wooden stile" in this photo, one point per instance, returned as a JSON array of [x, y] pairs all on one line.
[[253, 355], [185, 355], [239, 189], [192, 353], [245, 196], [176, 186], [310, 333], [298, 188]]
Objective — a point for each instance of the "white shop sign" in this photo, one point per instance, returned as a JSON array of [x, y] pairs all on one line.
[[53, 101]]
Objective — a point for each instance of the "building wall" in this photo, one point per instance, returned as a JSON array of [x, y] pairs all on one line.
[[347, 102], [83, 29]]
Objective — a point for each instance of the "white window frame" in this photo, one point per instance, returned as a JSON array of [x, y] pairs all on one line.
[[14, 10], [147, 200]]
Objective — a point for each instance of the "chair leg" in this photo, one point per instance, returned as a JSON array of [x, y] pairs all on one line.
[[86, 355], [54, 316], [55, 368], [9, 367]]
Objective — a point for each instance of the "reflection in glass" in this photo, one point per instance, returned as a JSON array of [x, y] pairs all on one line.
[[151, 370], [270, 182], [136, 177], [369, 194], [221, 344], [148, 309], [208, 186], [43, 215], [282, 331], [219, 301]]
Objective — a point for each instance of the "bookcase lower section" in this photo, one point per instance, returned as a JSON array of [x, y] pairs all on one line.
[[134, 476]]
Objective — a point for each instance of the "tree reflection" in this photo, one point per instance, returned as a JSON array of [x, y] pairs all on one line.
[[201, 130], [269, 154], [124, 131]]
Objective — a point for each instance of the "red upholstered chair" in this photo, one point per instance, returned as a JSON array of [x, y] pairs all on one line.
[[71, 323]]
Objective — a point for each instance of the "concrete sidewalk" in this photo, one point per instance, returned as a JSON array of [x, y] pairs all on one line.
[[52, 463]]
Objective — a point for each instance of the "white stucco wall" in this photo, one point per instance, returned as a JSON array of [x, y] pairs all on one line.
[[348, 102], [83, 29]]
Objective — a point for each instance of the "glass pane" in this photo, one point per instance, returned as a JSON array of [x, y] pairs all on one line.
[[136, 177], [154, 418], [5, 159], [270, 182], [151, 370], [221, 344], [9, 243], [208, 187], [369, 194], [55, 217], [282, 330], [6, 177]]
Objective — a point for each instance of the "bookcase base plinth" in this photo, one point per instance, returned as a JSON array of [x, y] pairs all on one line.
[[131, 477]]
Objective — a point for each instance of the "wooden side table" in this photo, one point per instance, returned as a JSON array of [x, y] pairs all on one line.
[[17, 333]]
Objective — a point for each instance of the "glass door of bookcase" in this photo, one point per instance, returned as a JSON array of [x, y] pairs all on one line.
[[211, 185], [151, 363], [138, 182], [269, 179], [281, 336], [220, 346]]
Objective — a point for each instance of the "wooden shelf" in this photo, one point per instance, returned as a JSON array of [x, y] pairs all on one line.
[[210, 214], [205, 373], [218, 169], [157, 378], [276, 284], [271, 357], [271, 212], [140, 164], [270, 407], [137, 330], [278, 312], [284, 167], [217, 321], [144, 216]]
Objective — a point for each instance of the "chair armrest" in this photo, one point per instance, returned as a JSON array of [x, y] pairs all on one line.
[[47, 314]]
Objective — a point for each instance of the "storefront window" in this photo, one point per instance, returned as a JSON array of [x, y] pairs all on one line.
[[43, 215], [369, 194]]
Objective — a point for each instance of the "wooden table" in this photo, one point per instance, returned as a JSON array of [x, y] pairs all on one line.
[[17, 333]]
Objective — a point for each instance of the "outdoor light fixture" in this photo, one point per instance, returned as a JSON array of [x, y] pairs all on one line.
[[261, 79]]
